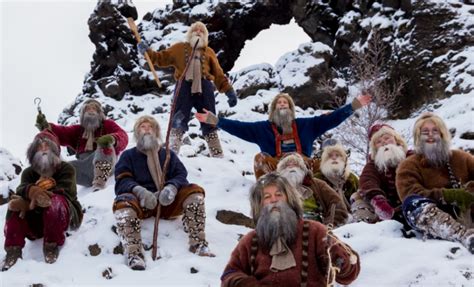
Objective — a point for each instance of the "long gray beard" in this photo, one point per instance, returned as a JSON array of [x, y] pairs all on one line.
[[147, 142], [274, 224], [193, 40], [437, 154], [45, 163], [389, 156], [333, 172], [283, 118], [294, 175], [91, 121]]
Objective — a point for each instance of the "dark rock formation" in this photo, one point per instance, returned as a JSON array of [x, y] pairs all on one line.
[[425, 42]]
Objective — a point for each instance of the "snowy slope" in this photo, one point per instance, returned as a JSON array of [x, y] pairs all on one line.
[[388, 259]]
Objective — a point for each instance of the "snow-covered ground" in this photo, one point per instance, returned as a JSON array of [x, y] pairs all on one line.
[[388, 259]]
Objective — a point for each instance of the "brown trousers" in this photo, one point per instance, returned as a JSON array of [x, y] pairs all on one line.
[[173, 210]]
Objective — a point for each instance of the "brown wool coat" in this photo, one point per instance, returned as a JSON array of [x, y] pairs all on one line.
[[329, 200], [177, 55], [415, 176], [237, 272]]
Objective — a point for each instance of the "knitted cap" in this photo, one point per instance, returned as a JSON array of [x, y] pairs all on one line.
[[330, 145], [379, 129], [43, 136]]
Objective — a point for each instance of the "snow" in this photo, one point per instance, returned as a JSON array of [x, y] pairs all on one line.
[[387, 258]]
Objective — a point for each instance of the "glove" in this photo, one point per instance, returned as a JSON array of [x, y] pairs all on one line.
[[147, 198], [39, 197], [232, 98], [142, 47], [167, 194], [459, 197], [106, 141], [18, 204], [381, 207], [41, 122], [46, 183]]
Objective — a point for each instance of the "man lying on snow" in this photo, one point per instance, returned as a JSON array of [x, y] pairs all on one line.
[[97, 142], [138, 177], [282, 132], [45, 203]]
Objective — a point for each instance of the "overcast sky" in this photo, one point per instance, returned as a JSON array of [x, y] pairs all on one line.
[[38, 38]]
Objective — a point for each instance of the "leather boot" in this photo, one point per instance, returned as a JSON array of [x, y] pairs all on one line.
[[128, 229], [51, 252], [13, 254]]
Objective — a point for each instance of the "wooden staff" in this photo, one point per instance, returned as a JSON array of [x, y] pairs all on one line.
[[134, 29]]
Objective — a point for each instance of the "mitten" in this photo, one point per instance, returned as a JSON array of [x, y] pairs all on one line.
[[46, 183], [106, 141], [147, 198], [167, 194], [142, 47], [381, 207], [41, 122], [18, 204], [232, 98], [39, 197], [459, 197]]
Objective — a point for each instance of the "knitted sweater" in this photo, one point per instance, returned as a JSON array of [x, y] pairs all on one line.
[[72, 135], [309, 129]]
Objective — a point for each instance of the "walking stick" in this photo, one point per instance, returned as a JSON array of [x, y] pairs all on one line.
[[154, 250], [134, 29]]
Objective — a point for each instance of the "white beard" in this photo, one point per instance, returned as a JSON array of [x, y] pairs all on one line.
[[333, 170], [389, 156], [147, 142], [194, 38], [294, 175]]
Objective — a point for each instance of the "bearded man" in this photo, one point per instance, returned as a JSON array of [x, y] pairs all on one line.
[[377, 198], [139, 177], [282, 132], [334, 169], [97, 142], [284, 249], [436, 184], [320, 201], [197, 88], [45, 203]]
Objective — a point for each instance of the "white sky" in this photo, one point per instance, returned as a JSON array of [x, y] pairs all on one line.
[[46, 51]]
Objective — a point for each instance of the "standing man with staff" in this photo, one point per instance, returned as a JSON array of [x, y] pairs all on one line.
[[197, 66]]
